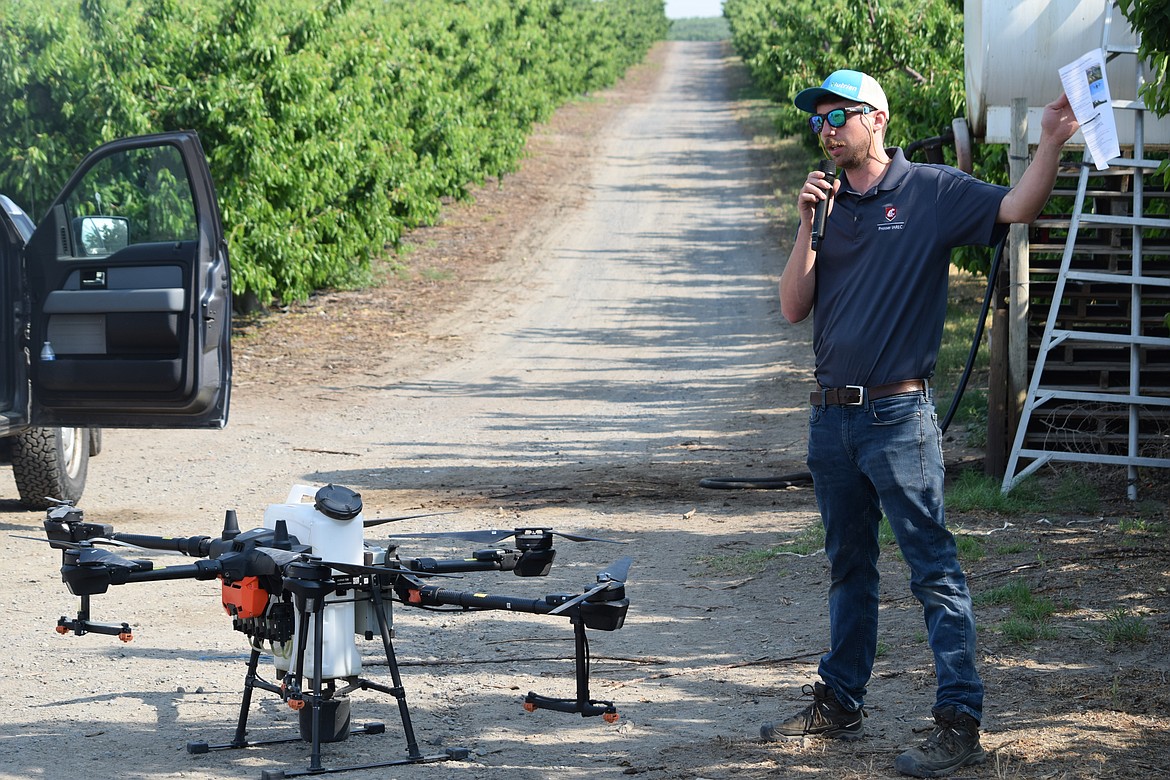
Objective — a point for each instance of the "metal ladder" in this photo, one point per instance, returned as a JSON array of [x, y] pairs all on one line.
[[1042, 399]]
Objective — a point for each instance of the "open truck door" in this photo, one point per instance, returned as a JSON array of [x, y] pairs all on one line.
[[129, 290]]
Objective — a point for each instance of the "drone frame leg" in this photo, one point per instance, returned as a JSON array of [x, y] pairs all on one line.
[[316, 616], [240, 740], [397, 691]]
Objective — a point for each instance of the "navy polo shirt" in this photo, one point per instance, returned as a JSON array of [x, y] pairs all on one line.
[[882, 270]]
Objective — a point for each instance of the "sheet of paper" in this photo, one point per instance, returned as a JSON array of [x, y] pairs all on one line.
[[1087, 88]]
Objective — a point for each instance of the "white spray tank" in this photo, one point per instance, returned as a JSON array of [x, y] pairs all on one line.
[[329, 520], [1016, 50]]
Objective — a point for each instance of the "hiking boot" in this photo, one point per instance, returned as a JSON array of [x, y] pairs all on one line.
[[954, 743], [825, 717]]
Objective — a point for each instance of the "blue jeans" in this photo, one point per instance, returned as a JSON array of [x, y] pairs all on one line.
[[887, 455]]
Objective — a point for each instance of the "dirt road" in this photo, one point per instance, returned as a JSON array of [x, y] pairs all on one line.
[[626, 343], [620, 352]]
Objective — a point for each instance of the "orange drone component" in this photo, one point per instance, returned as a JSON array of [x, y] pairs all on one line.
[[244, 598]]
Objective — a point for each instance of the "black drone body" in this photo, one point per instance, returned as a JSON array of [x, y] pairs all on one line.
[[306, 585]]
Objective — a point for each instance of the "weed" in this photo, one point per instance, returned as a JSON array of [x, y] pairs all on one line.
[[1030, 616], [1140, 525], [1012, 594], [971, 548], [1123, 628], [1037, 611], [808, 541], [1021, 631]]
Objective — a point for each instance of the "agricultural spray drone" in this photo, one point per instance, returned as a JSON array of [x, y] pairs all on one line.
[[306, 584]]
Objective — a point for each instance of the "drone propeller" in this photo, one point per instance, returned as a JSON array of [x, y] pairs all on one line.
[[489, 536], [61, 544], [382, 520], [93, 556], [613, 577]]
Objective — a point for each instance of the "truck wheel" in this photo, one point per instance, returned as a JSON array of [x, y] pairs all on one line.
[[50, 465]]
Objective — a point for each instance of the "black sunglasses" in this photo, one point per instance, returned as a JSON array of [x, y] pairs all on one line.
[[836, 118]]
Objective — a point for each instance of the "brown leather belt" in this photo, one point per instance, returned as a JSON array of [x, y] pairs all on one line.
[[855, 395]]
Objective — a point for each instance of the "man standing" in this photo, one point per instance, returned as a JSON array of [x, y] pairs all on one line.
[[877, 288]]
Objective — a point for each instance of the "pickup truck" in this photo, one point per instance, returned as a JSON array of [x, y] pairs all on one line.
[[117, 312]]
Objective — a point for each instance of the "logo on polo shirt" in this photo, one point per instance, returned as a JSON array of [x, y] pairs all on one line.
[[890, 211]]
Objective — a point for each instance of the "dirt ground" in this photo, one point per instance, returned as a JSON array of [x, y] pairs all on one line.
[[517, 374]]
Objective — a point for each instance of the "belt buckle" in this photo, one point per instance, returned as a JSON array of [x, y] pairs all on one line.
[[860, 395]]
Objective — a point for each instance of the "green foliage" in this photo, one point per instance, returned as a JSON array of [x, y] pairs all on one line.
[[907, 45], [702, 28], [914, 48], [330, 125], [1151, 18]]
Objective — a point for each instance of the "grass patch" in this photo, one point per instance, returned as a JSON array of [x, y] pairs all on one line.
[[971, 548], [1030, 617], [1141, 526], [1012, 594], [1122, 627], [1067, 492], [1021, 631], [974, 490], [808, 541]]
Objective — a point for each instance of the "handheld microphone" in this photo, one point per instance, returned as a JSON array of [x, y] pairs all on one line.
[[829, 168]]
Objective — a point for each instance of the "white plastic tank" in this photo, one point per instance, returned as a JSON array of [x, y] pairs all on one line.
[[334, 536], [1015, 49]]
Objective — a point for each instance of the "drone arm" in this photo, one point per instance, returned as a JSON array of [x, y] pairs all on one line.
[[432, 595], [95, 578], [200, 570], [528, 562], [193, 546], [482, 560]]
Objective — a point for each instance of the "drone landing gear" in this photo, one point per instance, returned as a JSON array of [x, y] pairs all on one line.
[[82, 625], [582, 704], [324, 713]]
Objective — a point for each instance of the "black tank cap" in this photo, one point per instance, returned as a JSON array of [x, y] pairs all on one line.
[[338, 502]]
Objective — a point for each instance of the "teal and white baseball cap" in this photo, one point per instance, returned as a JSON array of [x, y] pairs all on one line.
[[848, 84]]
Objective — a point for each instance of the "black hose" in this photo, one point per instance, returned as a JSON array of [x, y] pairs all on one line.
[[804, 477], [747, 483], [961, 388]]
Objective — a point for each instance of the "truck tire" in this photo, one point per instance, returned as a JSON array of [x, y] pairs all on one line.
[[50, 465]]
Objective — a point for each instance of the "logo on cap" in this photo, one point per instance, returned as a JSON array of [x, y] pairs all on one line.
[[845, 86]]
